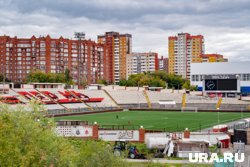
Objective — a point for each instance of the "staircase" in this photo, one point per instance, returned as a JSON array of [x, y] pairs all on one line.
[[219, 103], [106, 92], [52, 100], [91, 108], [147, 99], [184, 97]]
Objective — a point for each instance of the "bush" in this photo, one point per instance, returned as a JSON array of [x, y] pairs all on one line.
[[28, 139]]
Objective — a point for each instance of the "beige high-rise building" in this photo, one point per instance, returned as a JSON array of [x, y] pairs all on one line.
[[142, 62], [182, 50]]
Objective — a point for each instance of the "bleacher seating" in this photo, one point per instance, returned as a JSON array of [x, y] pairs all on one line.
[[155, 97], [127, 96], [58, 101], [106, 102]]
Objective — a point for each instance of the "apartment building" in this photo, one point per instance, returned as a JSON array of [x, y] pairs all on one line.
[[118, 46], [84, 58], [213, 58], [184, 49], [163, 64], [142, 62]]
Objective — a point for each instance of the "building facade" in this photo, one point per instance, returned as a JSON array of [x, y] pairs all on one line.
[[142, 62], [163, 64], [184, 49], [118, 46], [84, 58], [224, 70], [213, 58]]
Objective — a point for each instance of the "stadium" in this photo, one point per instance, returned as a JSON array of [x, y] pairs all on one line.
[[165, 109], [176, 121]]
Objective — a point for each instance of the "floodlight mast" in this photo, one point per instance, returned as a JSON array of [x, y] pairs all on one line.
[[79, 36]]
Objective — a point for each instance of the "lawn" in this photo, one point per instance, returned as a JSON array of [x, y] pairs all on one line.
[[158, 120]]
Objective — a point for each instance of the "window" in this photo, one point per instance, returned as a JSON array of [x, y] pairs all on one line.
[[195, 78], [245, 77]]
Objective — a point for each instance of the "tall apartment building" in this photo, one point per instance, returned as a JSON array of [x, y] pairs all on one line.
[[184, 49], [213, 58], [163, 64], [84, 58], [118, 46], [142, 62]]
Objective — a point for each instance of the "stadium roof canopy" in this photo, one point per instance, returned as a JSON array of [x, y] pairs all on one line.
[[220, 68]]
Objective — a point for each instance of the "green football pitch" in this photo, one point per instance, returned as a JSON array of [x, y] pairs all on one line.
[[159, 120]]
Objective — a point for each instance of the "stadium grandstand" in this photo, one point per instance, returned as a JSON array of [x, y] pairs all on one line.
[[62, 101]]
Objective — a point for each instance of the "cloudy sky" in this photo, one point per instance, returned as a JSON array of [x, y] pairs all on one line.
[[225, 24]]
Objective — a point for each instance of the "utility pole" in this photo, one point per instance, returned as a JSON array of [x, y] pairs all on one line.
[[80, 36]]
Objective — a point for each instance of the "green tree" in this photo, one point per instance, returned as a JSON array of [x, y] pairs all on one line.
[[102, 81], [68, 77], [157, 82], [123, 82], [186, 85], [28, 138], [175, 81], [4, 79], [161, 74], [42, 77], [83, 83]]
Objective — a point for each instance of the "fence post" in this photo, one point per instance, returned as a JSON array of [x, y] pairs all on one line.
[[187, 133], [141, 134], [95, 134]]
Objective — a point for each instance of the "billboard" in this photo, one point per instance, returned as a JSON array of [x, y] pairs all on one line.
[[74, 131], [220, 83], [113, 135]]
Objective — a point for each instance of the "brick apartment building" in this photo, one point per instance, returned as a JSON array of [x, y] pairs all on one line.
[[84, 58], [118, 46]]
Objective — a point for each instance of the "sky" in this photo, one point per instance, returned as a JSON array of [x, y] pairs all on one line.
[[225, 24]]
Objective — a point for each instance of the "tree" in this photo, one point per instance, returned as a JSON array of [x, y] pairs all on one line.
[[68, 77], [28, 138], [157, 82], [83, 83], [25, 141], [186, 85], [123, 82], [102, 81], [3, 78], [42, 77], [175, 81], [155, 79]]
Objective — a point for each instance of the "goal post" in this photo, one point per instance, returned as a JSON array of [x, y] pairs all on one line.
[[189, 109]]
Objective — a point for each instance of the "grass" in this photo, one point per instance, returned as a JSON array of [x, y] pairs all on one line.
[[158, 120]]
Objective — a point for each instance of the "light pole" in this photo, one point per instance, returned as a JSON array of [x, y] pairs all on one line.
[[80, 36]]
